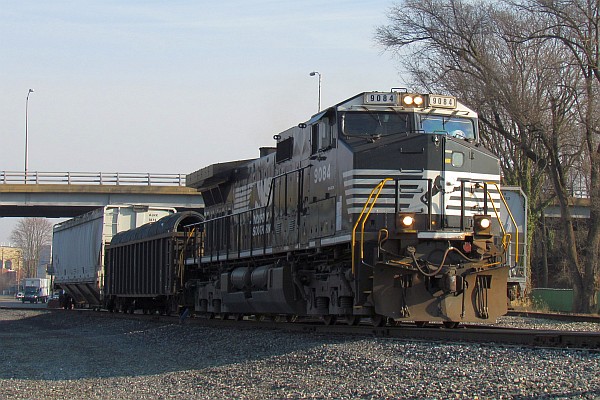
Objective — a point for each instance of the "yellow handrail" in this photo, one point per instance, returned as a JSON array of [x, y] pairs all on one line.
[[377, 188], [509, 214]]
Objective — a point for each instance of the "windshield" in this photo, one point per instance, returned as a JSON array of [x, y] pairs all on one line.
[[453, 126], [375, 124]]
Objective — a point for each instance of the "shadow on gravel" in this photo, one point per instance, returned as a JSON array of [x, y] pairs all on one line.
[[64, 345]]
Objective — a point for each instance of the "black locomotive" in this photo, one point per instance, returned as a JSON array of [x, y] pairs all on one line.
[[384, 206]]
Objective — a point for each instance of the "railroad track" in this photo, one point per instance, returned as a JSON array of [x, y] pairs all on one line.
[[482, 334], [556, 316]]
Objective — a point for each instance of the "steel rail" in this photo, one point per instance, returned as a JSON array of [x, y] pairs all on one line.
[[488, 335], [555, 316]]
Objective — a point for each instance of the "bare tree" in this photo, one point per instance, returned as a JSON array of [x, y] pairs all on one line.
[[30, 235], [575, 25], [526, 87]]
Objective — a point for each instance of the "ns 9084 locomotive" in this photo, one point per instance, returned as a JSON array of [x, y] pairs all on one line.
[[384, 206]]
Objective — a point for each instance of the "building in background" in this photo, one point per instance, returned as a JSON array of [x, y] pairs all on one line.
[[44, 262], [10, 269]]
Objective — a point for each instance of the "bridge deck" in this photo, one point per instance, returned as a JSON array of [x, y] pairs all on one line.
[[69, 194]]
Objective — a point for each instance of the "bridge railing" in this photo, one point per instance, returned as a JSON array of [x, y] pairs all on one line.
[[92, 178]]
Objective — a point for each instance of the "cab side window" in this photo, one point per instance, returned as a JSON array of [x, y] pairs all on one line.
[[315, 138], [322, 136]]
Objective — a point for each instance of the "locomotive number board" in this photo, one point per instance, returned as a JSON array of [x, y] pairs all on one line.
[[381, 98], [438, 101]]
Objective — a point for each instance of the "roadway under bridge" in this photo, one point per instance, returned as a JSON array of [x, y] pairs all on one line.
[[68, 194]]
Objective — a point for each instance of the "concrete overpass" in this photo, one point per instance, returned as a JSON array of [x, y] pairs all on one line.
[[580, 208], [68, 194]]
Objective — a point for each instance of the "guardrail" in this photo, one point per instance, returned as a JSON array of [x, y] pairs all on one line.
[[92, 178]]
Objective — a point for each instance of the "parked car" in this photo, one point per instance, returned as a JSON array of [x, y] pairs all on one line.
[[19, 295]]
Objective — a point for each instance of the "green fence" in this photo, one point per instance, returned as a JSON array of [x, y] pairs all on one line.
[[554, 299]]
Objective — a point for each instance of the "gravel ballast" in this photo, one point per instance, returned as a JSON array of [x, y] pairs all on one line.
[[53, 355]]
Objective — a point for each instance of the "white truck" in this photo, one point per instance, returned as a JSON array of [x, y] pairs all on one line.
[[78, 248], [36, 290]]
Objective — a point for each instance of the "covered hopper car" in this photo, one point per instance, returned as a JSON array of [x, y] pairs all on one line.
[[78, 247]]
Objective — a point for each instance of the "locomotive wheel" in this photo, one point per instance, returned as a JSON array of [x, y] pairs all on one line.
[[378, 320], [329, 319], [421, 324], [451, 324], [353, 320]]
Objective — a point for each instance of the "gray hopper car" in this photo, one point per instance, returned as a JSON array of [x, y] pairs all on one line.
[[78, 247]]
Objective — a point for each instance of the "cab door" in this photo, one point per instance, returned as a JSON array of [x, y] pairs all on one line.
[[458, 185]]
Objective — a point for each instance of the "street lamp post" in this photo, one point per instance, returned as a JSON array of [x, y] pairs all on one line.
[[26, 123], [319, 74]]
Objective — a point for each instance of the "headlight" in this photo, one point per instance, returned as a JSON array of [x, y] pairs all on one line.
[[405, 221], [412, 100], [482, 224]]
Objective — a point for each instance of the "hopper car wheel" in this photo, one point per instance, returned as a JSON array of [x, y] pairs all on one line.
[[353, 320], [451, 324], [238, 317], [329, 319], [378, 320], [223, 316], [421, 324], [286, 318]]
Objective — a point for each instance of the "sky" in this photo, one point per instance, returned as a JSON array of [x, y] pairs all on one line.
[[171, 86]]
